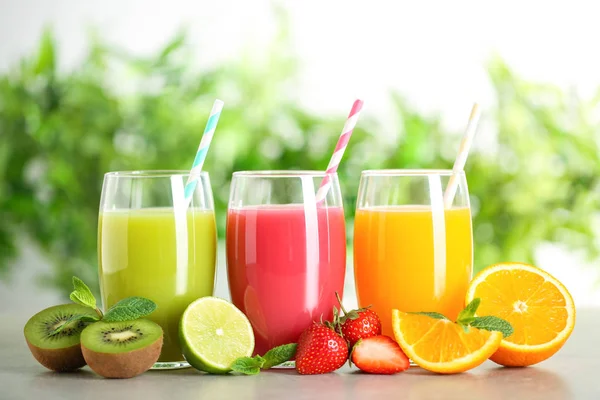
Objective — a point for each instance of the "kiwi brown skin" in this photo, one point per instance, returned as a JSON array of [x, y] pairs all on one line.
[[123, 365], [59, 360]]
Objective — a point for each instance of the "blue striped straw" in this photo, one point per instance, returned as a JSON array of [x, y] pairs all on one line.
[[207, 136]]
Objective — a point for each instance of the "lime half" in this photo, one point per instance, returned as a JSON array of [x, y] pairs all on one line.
[[213, 334]]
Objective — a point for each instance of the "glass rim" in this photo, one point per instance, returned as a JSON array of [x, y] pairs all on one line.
[[411, 172], [282, 174], [153, 173]]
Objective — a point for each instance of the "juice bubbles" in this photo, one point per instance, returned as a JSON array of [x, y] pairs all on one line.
[[166, 257], [394, 260], [285, 263]]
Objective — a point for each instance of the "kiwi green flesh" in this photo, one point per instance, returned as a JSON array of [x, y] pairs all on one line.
[[120, 337], [39, 328]]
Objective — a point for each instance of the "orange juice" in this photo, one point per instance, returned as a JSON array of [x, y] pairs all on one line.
[[394, 260]]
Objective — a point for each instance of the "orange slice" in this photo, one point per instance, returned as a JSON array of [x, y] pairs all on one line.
[[440, 345], [539, 308]]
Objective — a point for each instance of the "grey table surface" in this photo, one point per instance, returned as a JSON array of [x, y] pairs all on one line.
[[573, 373]]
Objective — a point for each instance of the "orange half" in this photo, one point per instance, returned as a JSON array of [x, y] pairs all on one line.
[[440, 345], [537, 305]]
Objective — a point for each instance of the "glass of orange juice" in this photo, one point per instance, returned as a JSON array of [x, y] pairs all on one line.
[[412, 252]]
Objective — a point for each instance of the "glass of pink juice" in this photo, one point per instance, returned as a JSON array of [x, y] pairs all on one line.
[[286, 251]]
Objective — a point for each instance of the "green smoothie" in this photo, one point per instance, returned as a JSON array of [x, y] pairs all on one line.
[[165, 256]]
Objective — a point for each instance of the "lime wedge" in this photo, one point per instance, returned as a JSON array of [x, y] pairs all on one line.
[[213, 334]]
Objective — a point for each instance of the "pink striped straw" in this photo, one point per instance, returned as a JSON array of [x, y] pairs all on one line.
[[340, 147]]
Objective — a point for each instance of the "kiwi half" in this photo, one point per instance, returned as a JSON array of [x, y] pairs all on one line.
[[121, 349], [61, 351]]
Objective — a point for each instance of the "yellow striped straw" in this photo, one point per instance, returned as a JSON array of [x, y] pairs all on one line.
[[463, 153]]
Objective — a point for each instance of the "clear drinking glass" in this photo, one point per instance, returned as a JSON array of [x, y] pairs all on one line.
[[286, 251], [411, 252], [152, 244]]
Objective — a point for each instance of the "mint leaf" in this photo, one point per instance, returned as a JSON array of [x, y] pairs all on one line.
[[466, 316], [435, 315], [273, 357], [129, 309], [80, 317], [491, 323], [465, 321], [82, 294], [278, 355], [248, 365]]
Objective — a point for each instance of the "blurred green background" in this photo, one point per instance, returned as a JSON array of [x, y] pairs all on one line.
[[535, 181]]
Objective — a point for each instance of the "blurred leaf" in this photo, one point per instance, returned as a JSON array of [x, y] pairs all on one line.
[[176, 43], [46, 58]]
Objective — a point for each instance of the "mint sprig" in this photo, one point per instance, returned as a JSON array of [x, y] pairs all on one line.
[[279, 355], [82, 295], [467, 315], [491, 323], [435, 315], [129, 309], [273, 357], [466, 318], [248, 365]]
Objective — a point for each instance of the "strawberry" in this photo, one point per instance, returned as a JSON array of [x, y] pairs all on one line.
[[320, 350], [379, 355], [357, 324]]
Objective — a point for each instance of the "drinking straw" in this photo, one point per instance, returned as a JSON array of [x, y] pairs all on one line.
[[207, 136], [461, 158], [340, 147]]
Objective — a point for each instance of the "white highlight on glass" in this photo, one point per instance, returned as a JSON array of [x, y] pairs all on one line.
[[438, 215], [180, 211]]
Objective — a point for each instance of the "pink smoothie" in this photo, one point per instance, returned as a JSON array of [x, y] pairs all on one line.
[[285, 264]]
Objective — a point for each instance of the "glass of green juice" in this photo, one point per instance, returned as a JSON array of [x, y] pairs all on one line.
[[152, 243]]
